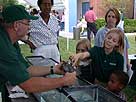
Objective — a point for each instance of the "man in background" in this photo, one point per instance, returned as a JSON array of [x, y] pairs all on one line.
[[90, 18]]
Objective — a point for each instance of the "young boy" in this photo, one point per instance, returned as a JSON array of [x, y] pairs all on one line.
[[118, 81]]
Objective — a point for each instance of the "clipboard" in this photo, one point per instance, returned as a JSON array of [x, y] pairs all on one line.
[[41, 61]]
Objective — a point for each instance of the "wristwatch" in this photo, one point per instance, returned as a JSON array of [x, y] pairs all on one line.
[[51, 70]]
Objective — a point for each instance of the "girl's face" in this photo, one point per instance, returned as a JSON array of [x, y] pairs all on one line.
[[111, 20], [114, 84], [81, 48], [111, 40]]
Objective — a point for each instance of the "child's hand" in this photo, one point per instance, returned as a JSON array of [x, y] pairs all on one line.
[[75, 59]]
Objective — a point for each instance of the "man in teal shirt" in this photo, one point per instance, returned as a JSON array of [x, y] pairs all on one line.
[[13, 67]]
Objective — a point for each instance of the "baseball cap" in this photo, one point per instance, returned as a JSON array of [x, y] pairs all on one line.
[[16, 12]]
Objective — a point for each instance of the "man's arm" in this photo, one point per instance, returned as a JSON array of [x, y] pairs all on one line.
[[27, 41], [40, 84], [35, 71], [31, 45]]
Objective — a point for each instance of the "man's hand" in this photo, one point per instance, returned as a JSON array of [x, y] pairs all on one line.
[[69, 78], [58, 69]]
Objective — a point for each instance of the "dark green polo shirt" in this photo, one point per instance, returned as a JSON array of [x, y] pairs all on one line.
[[104, 64], [12, 64]]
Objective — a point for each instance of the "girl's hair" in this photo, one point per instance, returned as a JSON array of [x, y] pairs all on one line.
[[39, 2], [117, 15], [84, 42], [120, 47]]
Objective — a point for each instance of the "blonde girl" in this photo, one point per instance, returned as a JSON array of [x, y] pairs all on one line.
[[105, 59], [120, 47], [83, 45], [85, 68]]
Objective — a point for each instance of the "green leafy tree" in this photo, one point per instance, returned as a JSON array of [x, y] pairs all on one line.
[[119, 4], [8, 2]]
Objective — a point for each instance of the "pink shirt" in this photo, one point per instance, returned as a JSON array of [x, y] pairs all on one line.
[[90, 16]]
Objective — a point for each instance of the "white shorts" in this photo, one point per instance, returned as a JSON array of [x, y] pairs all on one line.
[[48, 51]]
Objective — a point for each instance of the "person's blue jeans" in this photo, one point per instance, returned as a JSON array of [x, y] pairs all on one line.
[[62, 25]]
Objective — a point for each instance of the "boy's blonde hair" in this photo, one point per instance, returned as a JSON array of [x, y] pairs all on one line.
[[120, 47], [85, 42]]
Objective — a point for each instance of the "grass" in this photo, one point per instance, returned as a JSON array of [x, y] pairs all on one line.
[[72, 44], [132, 41]]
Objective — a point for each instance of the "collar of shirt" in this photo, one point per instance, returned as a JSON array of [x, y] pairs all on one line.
[[42, 33]]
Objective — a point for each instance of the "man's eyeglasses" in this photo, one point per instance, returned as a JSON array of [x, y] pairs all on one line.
[[24, 23]]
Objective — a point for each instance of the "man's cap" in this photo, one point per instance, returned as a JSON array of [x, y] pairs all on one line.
[[16, 12]]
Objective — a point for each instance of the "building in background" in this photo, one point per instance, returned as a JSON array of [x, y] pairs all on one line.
[[75, 9], [128, 7]]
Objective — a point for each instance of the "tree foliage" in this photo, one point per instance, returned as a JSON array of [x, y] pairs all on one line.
[[8, 2], [119, 4]]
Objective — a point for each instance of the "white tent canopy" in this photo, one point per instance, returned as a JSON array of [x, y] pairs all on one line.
[[58, 4], [31, 2]]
